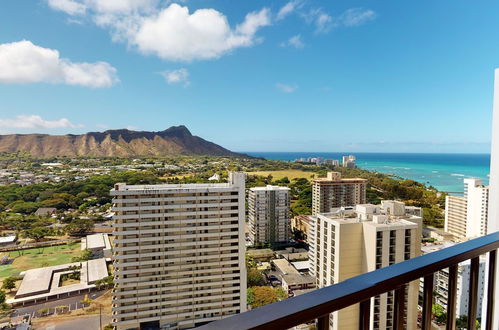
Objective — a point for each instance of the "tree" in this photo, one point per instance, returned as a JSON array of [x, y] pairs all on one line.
[[2, 296], [9, 283], [462, 323], [79, 226], [254, 277], [37, 233], [439, 313], [263, 295], [281, 293]]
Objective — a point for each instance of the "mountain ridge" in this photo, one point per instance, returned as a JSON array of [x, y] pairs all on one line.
[[176, 140]]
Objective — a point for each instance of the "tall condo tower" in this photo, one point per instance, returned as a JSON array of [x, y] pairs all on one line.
[[268, 214], [467, 216], [493, 216], [348, 242], [179, 253], [333, 191]]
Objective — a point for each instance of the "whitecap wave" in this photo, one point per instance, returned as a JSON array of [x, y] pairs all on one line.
[[457, 174]]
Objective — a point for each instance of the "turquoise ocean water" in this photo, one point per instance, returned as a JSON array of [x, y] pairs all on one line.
[[443, 171]]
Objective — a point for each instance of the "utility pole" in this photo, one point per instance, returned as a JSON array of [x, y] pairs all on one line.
[[100, 317]]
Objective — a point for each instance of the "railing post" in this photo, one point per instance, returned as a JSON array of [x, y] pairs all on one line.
[[490, 293], [473, 293], [427, 302], [399, 308], [451, 298], [364, 314], [323, 322]]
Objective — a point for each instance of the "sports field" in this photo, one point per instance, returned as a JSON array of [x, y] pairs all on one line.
[[39, 257], [291, 174]]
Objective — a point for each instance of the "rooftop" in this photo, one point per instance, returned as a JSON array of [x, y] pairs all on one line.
[[269, 188]]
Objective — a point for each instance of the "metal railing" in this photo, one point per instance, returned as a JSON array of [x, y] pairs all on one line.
[[318, 304]]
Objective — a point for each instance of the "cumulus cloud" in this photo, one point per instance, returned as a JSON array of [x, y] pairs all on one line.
[[285, 88], [173, 33], [294, 41], [35, 122], [288, 8], [176, 76], [23, 62], [357, 16], [176, 35]]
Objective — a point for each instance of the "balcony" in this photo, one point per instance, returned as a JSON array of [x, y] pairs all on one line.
[[318, 304]]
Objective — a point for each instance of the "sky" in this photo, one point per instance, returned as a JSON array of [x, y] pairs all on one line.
[[254, 75]]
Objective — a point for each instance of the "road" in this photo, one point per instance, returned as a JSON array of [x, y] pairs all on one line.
[[73, 302], [79, 323]]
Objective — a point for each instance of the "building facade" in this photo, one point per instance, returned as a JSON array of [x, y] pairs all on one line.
[[179, 253], [269, 214], [467, 216], [334, 191], [441, 281], [349, 242]]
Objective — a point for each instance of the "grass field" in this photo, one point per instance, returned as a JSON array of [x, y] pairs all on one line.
[[291, 174], [39, 257]]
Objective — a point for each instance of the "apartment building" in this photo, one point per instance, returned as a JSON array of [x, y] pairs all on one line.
[[351, 241], [179, 253], [333, 191], [268, 214], [441, 281], [349, 161], [467, 216]]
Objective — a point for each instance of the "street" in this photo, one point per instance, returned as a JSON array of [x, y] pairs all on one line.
[[73, 303], [78, 323]]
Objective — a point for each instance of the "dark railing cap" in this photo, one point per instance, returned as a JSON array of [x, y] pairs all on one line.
[[309, 306]]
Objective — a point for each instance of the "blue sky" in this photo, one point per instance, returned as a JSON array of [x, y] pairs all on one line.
[[252, 75]]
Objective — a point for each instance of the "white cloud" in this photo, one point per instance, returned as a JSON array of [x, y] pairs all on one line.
[[35, 121], [294, 41], [285, 88], [70, 7], [288, 8], [357, 16], [323, 21], [79, 7], [172, 33], [176, 76], [176, 35], [23, 62]]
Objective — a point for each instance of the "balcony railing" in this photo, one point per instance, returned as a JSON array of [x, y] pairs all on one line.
[[318, 304]]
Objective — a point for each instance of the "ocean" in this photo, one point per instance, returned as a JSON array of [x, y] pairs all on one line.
[[443, 171]]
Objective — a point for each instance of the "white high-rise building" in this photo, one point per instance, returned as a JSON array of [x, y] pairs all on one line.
[[467, 216], [179, 253], [493, 213], [441, 281], [349, 161], [351, 241], [268, 214]]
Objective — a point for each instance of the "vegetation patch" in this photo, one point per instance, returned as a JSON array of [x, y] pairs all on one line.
[[39, 257]]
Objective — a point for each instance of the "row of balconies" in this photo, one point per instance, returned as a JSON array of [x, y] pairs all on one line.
[[170, 266], [151, 216], [159, 243], [175, 252], [123, 296], [178, 303], [165, 316]]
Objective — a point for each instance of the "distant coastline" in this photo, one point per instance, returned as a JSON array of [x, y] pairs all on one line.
[[443, 171]]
